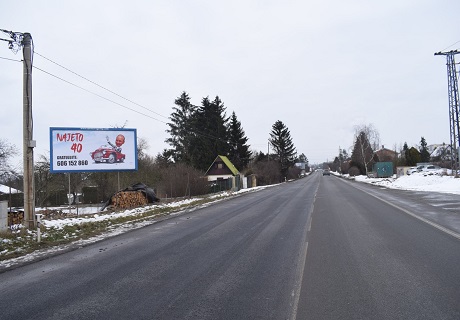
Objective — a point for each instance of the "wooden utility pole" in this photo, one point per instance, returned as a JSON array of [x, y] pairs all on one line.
[[17, 41], [28, 142]]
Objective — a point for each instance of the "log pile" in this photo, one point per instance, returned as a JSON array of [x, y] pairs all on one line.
[[128, 199], [15, 218], [137, 195]]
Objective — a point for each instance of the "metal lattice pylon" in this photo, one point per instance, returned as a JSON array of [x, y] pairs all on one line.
[[452, 83]]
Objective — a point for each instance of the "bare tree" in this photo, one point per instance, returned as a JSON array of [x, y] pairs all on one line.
[[371, 133], [142, 147], [367, 140], [7, 151]]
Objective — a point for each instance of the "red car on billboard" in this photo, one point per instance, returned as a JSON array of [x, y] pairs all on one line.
[[107, 154]]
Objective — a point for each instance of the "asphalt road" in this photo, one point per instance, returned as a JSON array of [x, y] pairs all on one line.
[[369, 258], [317, 248]]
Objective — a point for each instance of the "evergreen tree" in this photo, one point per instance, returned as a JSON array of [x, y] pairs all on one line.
[[424, 154], [180, 129], [406, 154], [414, 157], [239, 153], [281, 141], [163, 160], [411, 155], [209, 131], [303, 158]]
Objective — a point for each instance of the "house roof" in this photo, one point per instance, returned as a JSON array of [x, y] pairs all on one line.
[[386, 150], [5, 189], [438, 149], [227, 162]]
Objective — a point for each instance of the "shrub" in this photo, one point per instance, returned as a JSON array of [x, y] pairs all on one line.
[[354, 171]]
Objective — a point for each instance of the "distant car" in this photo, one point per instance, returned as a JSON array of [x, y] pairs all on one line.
[[326, 172], [412, 170], [432, 168], [107, 154], [424, 168]]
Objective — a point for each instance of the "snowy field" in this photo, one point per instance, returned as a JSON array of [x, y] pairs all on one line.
[[418, 182]]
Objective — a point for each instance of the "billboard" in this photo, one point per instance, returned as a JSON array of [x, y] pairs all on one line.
[[92, 149]]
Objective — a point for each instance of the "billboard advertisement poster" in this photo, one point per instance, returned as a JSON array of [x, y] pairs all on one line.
[[92, 149]]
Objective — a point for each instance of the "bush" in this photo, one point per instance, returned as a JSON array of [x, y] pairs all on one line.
[[354, 171], [267, 172], [180, 180]]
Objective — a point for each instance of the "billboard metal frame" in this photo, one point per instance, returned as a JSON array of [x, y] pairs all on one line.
[[73, 149]]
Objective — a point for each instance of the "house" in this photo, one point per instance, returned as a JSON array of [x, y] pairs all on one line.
[[223, 174], [7, 190], [221, 168], [440, 152], [14, 197], [386, 155], [302, 166]]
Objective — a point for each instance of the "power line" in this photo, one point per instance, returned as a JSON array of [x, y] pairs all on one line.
[[98, 95], [15, 43], [15, 60], [112, 92], [100, 86], [451, 46], [205, 135]]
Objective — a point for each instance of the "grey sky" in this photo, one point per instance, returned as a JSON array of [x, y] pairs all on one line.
[[321, 67]]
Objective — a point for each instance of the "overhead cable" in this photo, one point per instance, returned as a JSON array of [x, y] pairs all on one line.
[[100, 86], [98, 95]]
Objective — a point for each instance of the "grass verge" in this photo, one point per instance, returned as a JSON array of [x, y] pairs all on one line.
[[21, 241]]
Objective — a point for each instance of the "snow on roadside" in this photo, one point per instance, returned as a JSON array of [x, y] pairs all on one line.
[[417, 182], [101, 216]]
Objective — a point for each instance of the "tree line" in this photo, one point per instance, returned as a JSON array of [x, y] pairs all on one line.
[[199, 133], [196, 136], [367, 151]]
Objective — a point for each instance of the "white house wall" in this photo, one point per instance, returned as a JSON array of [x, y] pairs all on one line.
[[214, 178]]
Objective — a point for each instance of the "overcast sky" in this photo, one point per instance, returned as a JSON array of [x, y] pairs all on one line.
[[321, 67]]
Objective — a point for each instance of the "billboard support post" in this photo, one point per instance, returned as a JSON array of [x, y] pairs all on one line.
[[68, 198]]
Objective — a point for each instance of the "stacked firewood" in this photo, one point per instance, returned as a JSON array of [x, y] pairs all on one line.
[[15, 218], [128, 199]]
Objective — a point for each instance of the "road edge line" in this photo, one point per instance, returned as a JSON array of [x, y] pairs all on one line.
[[429, 222]]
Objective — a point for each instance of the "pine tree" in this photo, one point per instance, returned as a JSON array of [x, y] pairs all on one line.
[[281, 141], [239, 153], [406, 154], [302, 158], [210, 136], [424, 154], [180, 129], [414, 157]]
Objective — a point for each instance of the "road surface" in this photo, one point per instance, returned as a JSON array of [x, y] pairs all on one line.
[[316, 248]]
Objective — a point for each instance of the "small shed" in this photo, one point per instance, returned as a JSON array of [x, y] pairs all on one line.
[[383, 169]]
